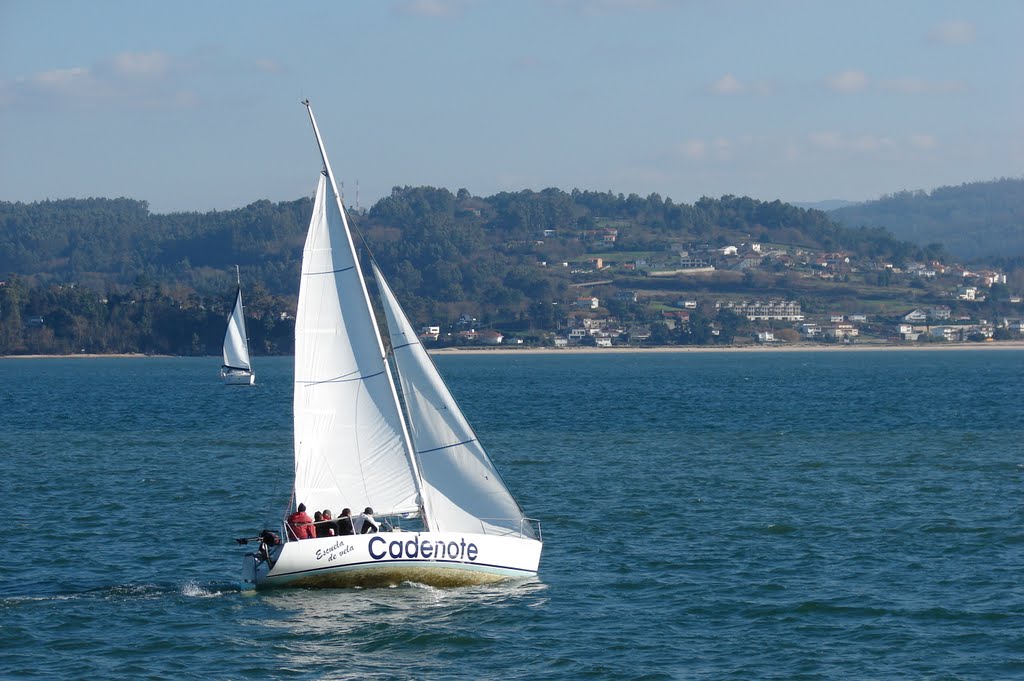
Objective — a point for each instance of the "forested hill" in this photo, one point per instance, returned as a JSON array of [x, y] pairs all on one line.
[[108, 243], [438, 243], [107, 275], [974, 220]]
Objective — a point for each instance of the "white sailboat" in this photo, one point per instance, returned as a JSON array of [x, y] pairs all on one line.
[[236, 368], [359, 444]]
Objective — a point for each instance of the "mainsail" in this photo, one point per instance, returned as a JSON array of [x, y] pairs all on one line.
[[351, 446], [463, 490], [236, 349]]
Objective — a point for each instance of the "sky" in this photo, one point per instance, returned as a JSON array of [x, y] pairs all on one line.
[[195, 106]]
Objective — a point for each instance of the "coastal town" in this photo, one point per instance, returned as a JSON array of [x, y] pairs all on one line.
[[590, 319]]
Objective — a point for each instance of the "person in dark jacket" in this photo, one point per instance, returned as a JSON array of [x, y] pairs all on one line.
[[300, 525], [345, 522], [327, 527]]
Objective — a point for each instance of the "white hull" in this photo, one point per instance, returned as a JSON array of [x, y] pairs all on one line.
[[236, 377], [441, 559]]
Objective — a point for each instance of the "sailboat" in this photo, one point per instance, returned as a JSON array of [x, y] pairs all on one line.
[[364, 440], [236, 369]]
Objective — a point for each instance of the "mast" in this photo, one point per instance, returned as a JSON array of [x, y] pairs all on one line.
[[406, 439]]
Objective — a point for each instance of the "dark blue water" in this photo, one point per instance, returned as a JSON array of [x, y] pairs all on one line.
[[705, 516]]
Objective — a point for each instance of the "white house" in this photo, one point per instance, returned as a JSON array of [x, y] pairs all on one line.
[[907, 332], [915, 317], [590, 303], [966, 292], [490, 337]]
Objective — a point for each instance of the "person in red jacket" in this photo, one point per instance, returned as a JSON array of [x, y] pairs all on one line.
[[300, 525]]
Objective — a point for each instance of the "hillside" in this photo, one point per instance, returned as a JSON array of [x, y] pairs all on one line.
[[106, 275], [973, 221]]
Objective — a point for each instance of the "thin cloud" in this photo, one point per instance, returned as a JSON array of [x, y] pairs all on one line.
[[956, 32], [847, 81], [918, 86], [429, 8], [721, 149], [731, 85], [833, 141], [138, 78], [727, 85], [267, 65], [695, 149], [826, 140], [592, 7], [143, 65], [922, 141]]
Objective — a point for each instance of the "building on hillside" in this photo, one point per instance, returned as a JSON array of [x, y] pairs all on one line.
[[916, 316], [638, 333], [490, 337], [810, 330], [842, 331], [949, 333], [967, 292], [588, 303], [907, 332], [779, 310]]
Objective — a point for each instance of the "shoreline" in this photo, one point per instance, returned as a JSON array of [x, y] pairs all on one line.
[[789, 347], [794, 347]]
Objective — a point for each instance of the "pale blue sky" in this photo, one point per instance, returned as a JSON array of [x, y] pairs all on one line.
[[195, 105]]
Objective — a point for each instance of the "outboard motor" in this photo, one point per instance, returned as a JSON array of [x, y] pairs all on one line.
[[260, 559]]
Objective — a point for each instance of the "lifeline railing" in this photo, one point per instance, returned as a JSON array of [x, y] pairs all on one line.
[[524, 523]]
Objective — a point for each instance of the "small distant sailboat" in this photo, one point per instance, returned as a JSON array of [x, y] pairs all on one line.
[[360, 444], [236, 369]]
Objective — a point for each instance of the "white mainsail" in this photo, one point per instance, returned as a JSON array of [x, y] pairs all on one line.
[[236, 348], [462, 487], [351, 446]]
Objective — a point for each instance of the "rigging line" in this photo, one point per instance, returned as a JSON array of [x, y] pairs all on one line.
[[437, 449], [339, 379], [404, 345]]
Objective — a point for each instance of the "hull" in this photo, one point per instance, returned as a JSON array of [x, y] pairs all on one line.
[[238, 377], [441, 559]]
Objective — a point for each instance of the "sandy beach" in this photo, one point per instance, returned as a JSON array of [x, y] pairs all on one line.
[[777, 347]]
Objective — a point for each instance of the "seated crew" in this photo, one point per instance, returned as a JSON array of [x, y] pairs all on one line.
[[327, 526], [344, 522], [300, 525], [366, 522]]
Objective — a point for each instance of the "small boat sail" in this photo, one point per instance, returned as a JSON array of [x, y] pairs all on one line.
[[236, 369], [447, 518]]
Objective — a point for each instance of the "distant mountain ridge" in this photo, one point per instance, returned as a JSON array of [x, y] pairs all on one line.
[[973, 220]]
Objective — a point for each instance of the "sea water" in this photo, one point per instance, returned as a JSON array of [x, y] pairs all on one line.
[[778, 515]]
